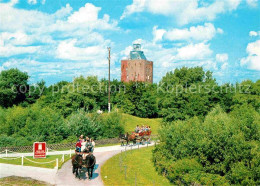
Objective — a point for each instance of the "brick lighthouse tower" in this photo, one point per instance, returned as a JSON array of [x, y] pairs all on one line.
[[137, 67]]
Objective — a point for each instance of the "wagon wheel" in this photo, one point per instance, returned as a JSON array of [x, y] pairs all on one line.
[[142, 141], [139, 140]]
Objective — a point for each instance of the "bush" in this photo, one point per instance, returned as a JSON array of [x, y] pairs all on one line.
[[94, 125], [5, 140], [224, 146], [112, 125], [179, 168], [2, 120], [82, 123], [26, 125], [15, 119], [200, 177]]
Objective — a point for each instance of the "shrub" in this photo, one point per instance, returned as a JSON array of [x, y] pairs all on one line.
[[5, 140], [82, 123], [225, 147], [26, 125], [112, 125]]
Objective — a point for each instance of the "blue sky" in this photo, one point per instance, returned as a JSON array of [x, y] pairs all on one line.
[[62, 39]]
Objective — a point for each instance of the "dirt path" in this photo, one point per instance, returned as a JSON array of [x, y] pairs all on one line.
[[64, 176]]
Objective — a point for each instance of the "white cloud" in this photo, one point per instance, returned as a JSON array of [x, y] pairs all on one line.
[[194, 52], [86, 14], [137, 6], [252, 3], [224, 66], [32, 2], [158, 33], [138, 41], [125, 53], [185, 11], [190, 51], [69, 50], [35, 68], [12, 2], [63, 13], [222, 61], [20, 43], [199, 33], [61, 70], [190, 54], [9, 50], [73, 41], [254, 33], [252, 61], [16, 38], [27, 27], [13, 19], [21, 38], [222, 58]]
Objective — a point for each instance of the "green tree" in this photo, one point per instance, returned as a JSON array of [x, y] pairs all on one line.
[[222, 147], [112, 125], [13, 87], [81, 123], [139, 99], [26, 125], [189, 92], [35, 92], [247, 92]]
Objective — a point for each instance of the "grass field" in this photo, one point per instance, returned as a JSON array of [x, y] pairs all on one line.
[[14, 180], [28, 163], [132, 121], [139, 169]]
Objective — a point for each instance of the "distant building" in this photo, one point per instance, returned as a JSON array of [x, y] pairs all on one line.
[[137, 67]]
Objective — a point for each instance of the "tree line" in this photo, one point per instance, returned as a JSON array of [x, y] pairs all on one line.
[[30, 112]]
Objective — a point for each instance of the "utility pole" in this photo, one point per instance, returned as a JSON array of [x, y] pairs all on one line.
[[109, 79]]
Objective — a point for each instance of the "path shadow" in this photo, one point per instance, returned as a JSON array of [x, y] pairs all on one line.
[[96, 167], [84, 173], [95, 174]]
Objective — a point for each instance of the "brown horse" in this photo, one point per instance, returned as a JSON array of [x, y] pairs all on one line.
[[127, 137], [77, 162], [90, 164]]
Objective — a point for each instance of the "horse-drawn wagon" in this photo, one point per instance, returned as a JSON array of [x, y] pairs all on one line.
[[78, 163], [141, 137], [144, 136]]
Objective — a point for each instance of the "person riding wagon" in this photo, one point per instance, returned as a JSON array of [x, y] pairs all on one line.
[[89, 145], [78, 146]]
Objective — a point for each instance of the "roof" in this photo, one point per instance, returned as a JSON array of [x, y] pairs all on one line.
[[136, 53]]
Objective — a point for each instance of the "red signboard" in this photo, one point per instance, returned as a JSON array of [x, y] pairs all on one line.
[[39, 150]]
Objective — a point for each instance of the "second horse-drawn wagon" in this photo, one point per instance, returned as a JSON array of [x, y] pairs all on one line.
[[140, 137]]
